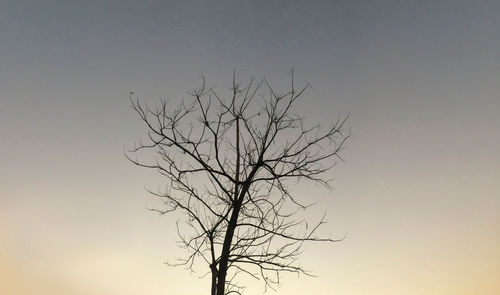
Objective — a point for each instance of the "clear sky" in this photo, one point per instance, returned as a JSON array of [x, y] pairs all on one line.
[[418, 194]]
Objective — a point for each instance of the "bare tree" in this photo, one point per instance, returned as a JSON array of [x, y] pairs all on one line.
[[231, 164]]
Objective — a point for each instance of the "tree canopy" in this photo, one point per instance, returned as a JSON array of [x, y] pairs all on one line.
[[230, 165]]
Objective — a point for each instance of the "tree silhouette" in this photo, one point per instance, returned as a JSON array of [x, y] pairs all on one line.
[[231, 165]]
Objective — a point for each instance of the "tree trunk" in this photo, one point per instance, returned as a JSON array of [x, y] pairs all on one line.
[[214, 279], [233, 221], [226, 247]]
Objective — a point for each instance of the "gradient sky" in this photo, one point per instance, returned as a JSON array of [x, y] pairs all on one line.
[[418, 194]]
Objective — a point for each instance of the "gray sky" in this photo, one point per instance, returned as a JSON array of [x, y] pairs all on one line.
[[418, 194]]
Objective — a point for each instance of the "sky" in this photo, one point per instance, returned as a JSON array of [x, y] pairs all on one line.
[[418, 193]]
